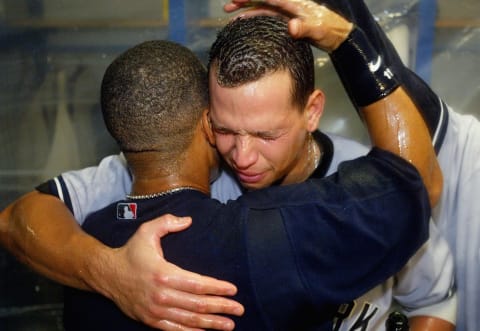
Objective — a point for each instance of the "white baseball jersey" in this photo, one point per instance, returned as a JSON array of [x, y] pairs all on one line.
[[458, 214], [424, 286]]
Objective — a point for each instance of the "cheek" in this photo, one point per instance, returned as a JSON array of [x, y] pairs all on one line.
[[224, 143], [278, 152], [291, 149]]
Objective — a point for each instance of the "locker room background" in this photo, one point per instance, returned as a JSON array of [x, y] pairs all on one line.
[[52, 57]]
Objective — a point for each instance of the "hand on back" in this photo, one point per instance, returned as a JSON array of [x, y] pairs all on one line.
[[148, 288]]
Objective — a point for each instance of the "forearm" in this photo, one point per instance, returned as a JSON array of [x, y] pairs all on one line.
[[395, 125], [393, 120], [422, 95], [41, 232], [426, 323]]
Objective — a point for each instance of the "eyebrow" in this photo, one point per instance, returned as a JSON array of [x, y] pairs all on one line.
[[271, 133], [219, 127]]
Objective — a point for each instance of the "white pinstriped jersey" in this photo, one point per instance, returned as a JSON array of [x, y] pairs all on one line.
[[423, 286]]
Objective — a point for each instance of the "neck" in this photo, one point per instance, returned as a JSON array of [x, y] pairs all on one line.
[[309, 159], [153, 174]]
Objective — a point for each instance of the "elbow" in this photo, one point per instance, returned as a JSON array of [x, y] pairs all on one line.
[[5, 237], [435, 185], [13, 226]]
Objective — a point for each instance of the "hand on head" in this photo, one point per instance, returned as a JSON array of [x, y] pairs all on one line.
[[307, 19]]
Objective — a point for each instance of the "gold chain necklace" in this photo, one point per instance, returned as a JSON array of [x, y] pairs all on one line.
[[315, 152], [160, 194]]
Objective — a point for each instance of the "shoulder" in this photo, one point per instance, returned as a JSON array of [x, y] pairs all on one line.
[[345, 149]]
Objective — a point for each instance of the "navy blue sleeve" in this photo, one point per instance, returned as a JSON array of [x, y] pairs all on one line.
[[56, 187], [335, 238], [431, 107]]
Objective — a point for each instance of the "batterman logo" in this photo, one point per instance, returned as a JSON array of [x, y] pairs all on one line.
[[126, 211]]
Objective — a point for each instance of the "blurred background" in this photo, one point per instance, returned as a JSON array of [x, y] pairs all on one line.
[[53, 54]]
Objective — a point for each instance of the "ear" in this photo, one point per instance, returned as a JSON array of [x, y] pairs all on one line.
[[314, 109], [207, 127]]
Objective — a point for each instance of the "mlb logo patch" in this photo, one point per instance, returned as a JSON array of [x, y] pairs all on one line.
[[126, 211]]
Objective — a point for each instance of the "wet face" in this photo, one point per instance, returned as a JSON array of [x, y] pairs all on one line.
[[259, 132]]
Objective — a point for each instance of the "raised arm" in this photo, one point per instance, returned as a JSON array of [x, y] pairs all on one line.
[[400, 129], [373, 86], [432, 108], [42, 233]]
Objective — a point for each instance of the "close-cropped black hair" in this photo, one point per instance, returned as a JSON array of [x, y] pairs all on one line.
[[153, 96], [247, 49]]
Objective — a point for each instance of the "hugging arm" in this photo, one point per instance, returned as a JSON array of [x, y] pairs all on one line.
[[42, 233]]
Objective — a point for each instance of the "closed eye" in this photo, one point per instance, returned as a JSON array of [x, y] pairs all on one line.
[[222, 131], [266, 136]]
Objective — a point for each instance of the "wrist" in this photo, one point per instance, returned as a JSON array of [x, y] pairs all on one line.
[[362, 70], [96, 267], [342, 34]]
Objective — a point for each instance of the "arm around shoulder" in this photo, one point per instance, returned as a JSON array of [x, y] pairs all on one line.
[[42, 233]]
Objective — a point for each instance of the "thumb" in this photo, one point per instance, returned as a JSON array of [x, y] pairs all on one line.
[[297, 28], [167, 223]]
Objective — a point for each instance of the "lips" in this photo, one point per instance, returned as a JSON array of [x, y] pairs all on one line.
[[250, 178]]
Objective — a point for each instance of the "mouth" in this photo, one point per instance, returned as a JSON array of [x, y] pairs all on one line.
[[248, 177]]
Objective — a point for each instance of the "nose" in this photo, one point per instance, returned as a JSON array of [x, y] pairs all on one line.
[[244, 154]]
